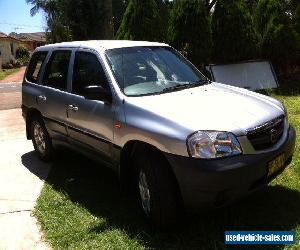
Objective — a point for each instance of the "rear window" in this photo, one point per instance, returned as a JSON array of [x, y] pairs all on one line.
[[35, 66]]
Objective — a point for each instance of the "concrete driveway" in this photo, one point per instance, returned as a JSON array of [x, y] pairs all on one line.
[[22, 176]]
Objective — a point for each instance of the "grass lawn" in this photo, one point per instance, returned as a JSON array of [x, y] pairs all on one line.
[[81, 207], [5, 72]]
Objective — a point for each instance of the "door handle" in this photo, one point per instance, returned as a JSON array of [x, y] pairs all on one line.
[[42, 98], [73, 107]]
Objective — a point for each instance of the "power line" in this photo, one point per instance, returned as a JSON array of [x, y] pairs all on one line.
[[20, 25]]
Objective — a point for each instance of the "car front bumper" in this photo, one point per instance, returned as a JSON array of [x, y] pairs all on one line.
[[216, 182]]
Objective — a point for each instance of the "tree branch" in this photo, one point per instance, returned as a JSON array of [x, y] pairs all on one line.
[[211, 4]]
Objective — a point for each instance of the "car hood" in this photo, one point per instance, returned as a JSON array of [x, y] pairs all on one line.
[[213, 106]]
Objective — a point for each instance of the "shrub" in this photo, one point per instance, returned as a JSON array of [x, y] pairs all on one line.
[[22, 52], [7, 66], [189, 30], [22, 61], [233, 32]]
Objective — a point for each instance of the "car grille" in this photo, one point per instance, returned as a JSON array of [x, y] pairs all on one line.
[[266, 135]]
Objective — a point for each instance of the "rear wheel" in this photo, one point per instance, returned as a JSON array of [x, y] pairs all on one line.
[[41, 139], [157, 190]]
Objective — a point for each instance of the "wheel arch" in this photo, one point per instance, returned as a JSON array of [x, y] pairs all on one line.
[[32, 112], [126, 167]]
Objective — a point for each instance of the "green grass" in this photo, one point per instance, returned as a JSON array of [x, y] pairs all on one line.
[[81, 207], [6, 72]]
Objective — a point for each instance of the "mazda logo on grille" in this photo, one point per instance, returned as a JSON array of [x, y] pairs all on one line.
[[273, 135]]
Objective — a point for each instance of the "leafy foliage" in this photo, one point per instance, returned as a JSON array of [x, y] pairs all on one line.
[[189, 30], [251, 4], [22, 56], [279, 40], [85, 18], [118, 8], [206, 30], [297, 20], [141, 21], [76, 19], [22, 51], [233, 33]]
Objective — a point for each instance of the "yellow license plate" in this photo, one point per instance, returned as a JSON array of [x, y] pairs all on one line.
[[276, 164]]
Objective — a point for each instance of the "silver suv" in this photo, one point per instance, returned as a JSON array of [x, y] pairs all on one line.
[[149, 114]]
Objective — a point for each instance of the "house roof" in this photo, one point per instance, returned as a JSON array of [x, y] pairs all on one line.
[[7, 37], [36, 36], [3, 35]]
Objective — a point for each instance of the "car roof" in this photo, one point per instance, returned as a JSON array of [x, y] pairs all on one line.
[[101, 44]]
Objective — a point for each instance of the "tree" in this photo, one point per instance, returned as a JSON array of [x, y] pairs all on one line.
[[297, 20], [251, 5], [76, 19], [164, 9], [119, 7], [57, 30], [265, 11], [279, 40], [37, 5], [233, 32], [297, 28], [209, 4], [141, 21], [87, 19], [189, 30]]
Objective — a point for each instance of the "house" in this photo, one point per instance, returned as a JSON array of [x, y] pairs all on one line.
[[9, 44], [31, 40], [8, 48]]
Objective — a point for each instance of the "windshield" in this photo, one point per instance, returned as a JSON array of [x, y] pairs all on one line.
[[152, 70]]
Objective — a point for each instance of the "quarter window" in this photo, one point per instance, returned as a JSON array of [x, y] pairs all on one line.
[[87, 71], [56, 74], [35, 65]]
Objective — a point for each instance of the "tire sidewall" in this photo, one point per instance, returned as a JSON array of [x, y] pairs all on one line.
[[164, 206], [48, 149]]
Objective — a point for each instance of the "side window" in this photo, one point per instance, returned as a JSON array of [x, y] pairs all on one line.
[[35, 65], [87, 71], [56, 74]]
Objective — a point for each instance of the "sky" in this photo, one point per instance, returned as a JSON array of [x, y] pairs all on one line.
[[15, 17]]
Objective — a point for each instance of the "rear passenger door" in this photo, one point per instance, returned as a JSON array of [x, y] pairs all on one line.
[[54, 101], [31, 88], [90, 121]]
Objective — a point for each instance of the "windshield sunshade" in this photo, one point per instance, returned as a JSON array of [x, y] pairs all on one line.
[[255, 75]]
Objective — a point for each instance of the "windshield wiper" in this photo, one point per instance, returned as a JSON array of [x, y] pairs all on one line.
[[186, 85], [176, 87], [200, 82]]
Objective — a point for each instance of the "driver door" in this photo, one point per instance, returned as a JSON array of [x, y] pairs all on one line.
[[90, 122]]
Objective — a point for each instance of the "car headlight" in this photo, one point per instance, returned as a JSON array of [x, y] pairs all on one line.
[[213, 144]]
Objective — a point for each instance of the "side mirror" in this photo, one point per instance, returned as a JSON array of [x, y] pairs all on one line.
[[97, 92]]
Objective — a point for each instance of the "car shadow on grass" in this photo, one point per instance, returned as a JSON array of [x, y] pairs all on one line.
[[97, 189]]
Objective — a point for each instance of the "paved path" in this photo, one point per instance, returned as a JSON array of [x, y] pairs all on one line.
[[21, 180], [16, 77], [10, 90], [10, 95]]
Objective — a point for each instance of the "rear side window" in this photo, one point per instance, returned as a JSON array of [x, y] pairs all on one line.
[[87, 71], [35, 65], [56, 74]]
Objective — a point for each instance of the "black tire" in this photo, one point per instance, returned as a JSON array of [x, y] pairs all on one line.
[[47, 151], [165, 209]]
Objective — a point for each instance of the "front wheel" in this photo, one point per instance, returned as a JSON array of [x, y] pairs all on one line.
[[157, 190], [41, 139]]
